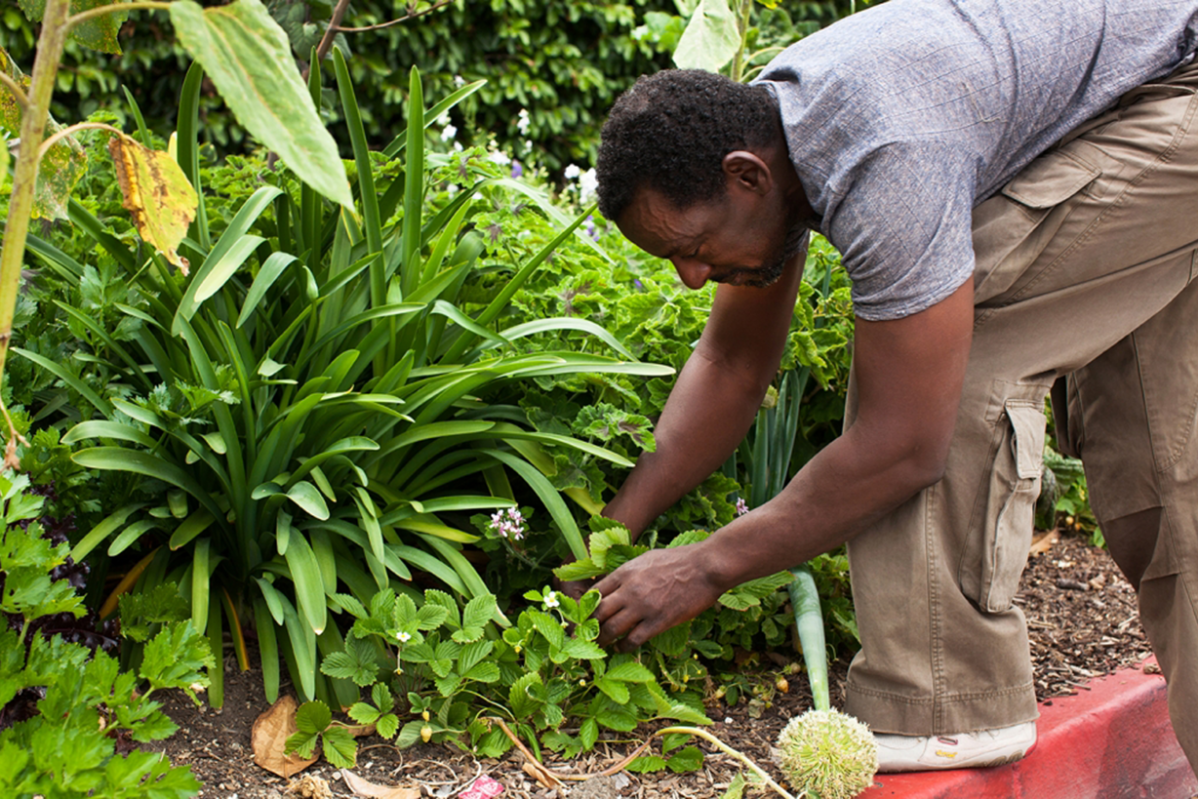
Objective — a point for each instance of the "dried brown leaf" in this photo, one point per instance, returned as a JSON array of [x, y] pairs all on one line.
[[269, 739], [363, 787], [1042, 542], [360, 730]]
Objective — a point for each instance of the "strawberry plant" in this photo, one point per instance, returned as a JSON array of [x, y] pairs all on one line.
[[436, 673]]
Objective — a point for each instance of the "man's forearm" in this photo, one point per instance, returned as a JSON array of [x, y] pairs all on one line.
[[852, 483], [705, 419]]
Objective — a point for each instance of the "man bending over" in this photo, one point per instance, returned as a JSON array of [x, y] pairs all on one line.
[[1013, 187]]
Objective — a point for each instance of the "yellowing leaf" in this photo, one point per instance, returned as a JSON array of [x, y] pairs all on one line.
[[60, 168], [248, 57], [98, 33], [157, 194]]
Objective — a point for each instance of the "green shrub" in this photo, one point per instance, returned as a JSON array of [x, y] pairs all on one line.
[[564, 62], [68, 747], [308, 409]]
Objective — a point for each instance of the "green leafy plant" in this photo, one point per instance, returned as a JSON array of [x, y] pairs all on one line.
[[311, 396], [481, 692], [68, 748]]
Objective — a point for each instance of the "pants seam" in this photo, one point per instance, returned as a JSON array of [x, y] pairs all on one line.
[[1173, 451], [934, 616]]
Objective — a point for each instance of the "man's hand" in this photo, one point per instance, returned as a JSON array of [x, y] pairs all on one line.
[[649, 595]]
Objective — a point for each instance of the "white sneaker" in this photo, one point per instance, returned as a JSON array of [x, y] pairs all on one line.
[[965, 750]]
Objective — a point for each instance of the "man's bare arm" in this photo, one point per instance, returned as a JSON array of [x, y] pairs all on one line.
[[909, 374], [715, 398]]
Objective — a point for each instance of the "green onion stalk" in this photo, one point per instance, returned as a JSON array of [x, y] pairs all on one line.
[[823, 753]]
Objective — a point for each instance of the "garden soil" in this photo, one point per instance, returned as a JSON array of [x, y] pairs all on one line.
[[1081, 613]]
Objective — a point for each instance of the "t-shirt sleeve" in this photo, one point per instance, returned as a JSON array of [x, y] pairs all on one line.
[[902, 221]]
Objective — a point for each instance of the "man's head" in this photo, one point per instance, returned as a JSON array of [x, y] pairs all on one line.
[[693, 167], [671, 131]]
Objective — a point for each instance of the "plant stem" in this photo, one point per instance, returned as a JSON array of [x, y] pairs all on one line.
[[742, 27], [143, 5], [326, 41], [391, 23], [728, 750], [15, 90], [62, 134], [33, 129]]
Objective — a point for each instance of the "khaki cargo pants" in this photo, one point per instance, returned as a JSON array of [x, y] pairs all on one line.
[[1085, 268]]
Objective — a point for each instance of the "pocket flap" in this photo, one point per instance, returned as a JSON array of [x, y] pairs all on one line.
[[1051, 179], [1028, 423]]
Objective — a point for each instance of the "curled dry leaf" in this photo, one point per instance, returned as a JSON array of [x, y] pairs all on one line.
[[269, 739], [157, 195], [309, 787], [360, 730], [1042, 542], [362, 787]]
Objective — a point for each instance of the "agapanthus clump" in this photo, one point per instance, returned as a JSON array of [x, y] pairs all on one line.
[[828, 754], [508, 523]]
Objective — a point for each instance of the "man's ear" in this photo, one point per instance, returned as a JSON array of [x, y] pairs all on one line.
[[746, 171]]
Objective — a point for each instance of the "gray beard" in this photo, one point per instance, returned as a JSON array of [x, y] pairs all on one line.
[[768, 273]]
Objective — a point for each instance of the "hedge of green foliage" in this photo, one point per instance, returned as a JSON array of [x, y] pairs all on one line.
[[563, 61]]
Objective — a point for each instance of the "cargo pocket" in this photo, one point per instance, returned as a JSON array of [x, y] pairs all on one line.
[[997, 551], [1009, 228]]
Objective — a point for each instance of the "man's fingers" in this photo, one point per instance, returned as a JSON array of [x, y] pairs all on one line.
[[608, 584], [574, 588], [640, 635], [619, 624]]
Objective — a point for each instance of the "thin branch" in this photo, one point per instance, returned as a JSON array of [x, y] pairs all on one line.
[[62, 134], [326, 41], [394, 22], [112, 8], [15, 90], [11, 461], [549, 778]]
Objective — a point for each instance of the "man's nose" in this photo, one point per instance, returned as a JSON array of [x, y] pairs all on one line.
[[694, 273]]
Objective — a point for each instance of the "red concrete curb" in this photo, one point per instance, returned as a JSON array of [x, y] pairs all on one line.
[[1112, 741]]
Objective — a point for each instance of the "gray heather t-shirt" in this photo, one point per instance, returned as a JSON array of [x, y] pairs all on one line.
[[900, 119]]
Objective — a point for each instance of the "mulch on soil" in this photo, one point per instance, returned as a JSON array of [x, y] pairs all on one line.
[[1083, 623]]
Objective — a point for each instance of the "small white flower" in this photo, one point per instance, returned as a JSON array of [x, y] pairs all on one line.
[[443, 119], [500, 157], [404, 637], [523, 122], [551, 600], [728, 720], [457, 146], [459, 81], [588, 185], [448, 132], [572, 172]]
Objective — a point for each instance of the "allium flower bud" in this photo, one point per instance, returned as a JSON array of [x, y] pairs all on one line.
[[828, 754]]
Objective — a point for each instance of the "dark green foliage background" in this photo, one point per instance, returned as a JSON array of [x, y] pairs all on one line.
[[563, 61]]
